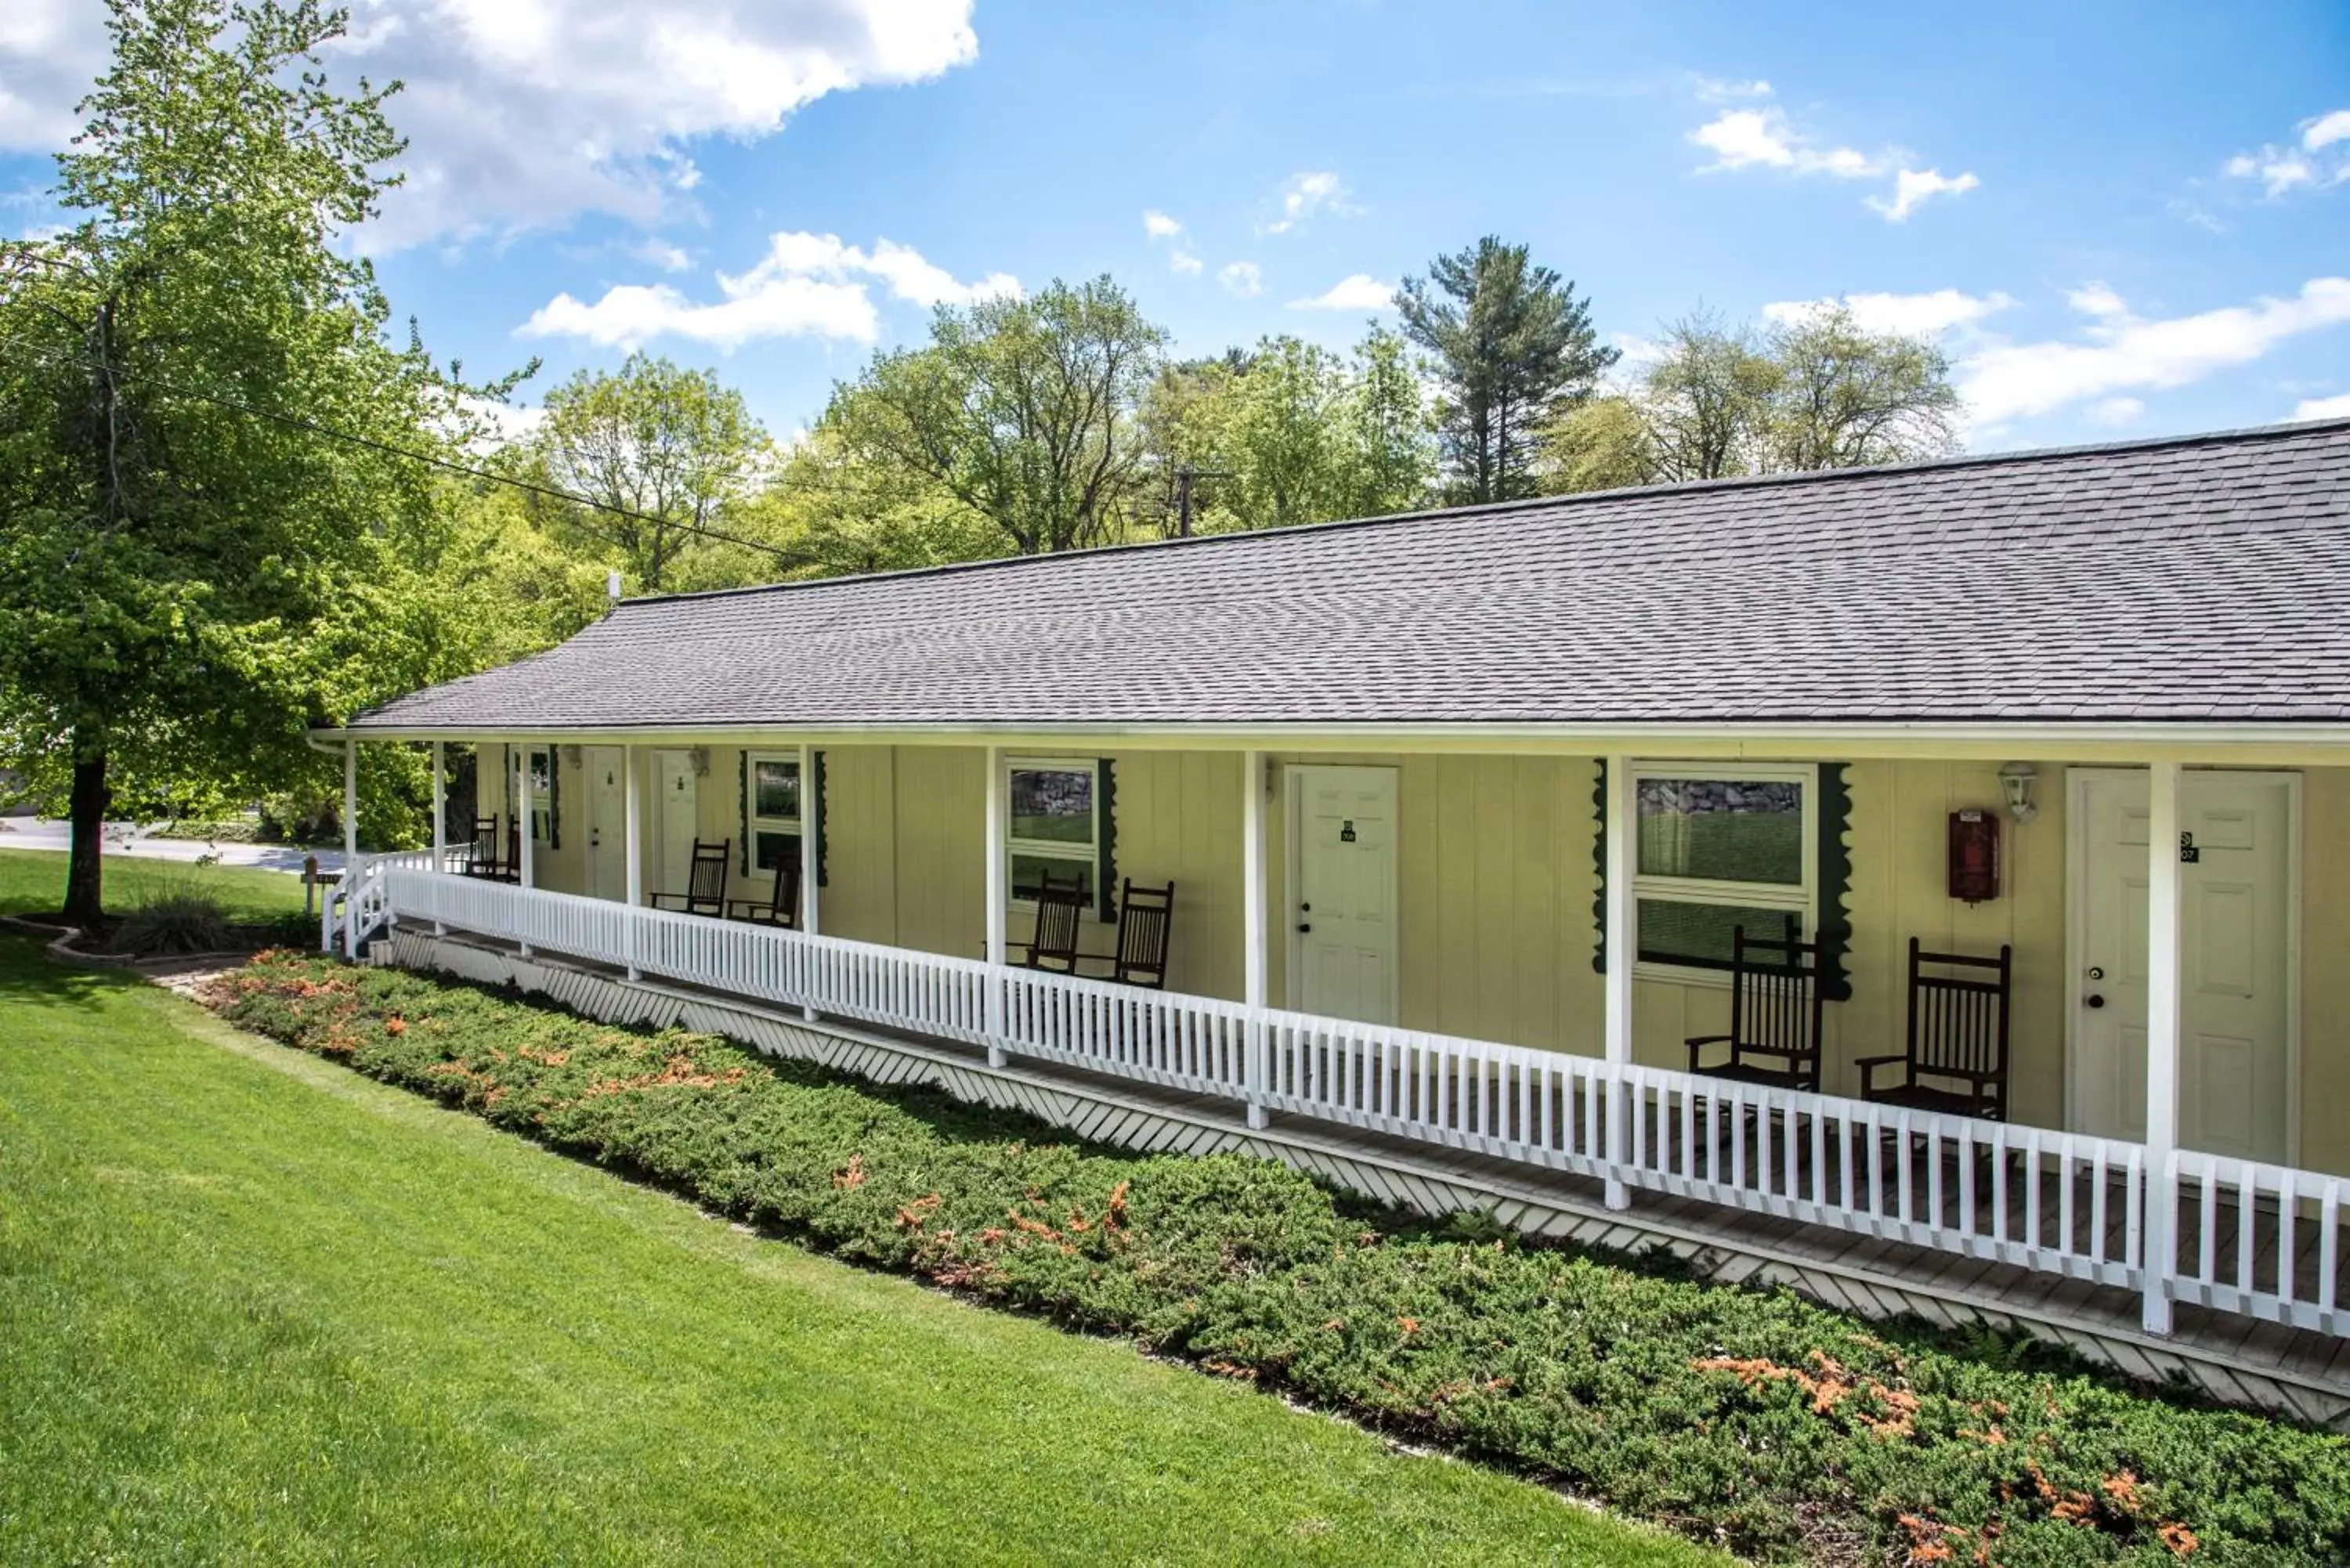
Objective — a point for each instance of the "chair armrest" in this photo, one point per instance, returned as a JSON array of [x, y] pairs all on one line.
[[1868, 1066], [1877, 1061], [751, 909], [1697, 1045], [669, 901]]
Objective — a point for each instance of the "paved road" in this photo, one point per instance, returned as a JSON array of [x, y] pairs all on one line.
[[122, 838]]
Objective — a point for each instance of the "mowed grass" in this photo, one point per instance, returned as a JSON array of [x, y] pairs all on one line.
[[33, 882], [256, 1307]]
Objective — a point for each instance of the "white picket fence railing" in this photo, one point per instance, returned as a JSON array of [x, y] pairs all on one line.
[[2262, 1240]]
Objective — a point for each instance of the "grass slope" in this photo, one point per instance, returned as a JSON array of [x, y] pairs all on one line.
[[33, 882], [254, 1307]]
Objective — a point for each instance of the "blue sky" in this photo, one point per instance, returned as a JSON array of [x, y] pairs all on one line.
[[2119, 220]]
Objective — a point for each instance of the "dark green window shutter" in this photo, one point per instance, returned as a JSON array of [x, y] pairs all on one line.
[[553, 797], [1599, 871], [815, 764], [742, 808], [1106, 895]]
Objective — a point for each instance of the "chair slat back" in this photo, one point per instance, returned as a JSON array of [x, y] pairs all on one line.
[[1059, 905], [485, 847], [1145, 919], [1775, 995], [705, 886], [788, 889], [1958, 1010]]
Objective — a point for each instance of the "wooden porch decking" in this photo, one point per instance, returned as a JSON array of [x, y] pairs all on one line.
[[2234, 1358]]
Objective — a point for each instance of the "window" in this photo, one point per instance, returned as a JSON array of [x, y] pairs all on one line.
[[542, 796], [1055, 828], [770, 809], [1717, 850]]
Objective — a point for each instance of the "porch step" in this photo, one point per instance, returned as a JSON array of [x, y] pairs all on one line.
[[2233, 1359]]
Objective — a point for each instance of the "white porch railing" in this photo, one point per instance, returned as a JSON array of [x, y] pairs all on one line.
[[2261, 1241]]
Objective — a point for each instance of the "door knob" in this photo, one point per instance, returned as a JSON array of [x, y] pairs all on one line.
[[2093, 1000], [1304, 925]]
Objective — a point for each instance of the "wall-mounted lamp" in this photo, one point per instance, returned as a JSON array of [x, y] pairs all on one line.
[[700, 756], [2015, 781]]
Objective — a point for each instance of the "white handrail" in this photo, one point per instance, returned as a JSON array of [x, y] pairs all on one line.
[[2057, 1203]]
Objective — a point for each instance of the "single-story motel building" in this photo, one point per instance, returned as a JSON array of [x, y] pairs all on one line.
[[1985, 823]]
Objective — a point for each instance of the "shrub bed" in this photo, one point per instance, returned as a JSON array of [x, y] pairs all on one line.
[[1757, 1420]]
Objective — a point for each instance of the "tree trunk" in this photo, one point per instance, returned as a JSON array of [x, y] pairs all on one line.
[[85, 891]]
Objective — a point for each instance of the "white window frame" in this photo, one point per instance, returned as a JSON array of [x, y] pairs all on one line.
[[1054, 849], [755, 824], [541, 804], [1801, 898]]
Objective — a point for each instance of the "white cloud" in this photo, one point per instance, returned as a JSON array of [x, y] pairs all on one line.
[[1765, 138], [1304, 195], [2122, 352], [805, 286], [2327, 130], [2333, 407], [2096, 299], [1912, 186], [523, 114], [2319, 155], [659, 252], [1158, 225], [1357, 291], [1185, 263], [2116, 411], [1910, 314], [1245, 279], [1715, 90]]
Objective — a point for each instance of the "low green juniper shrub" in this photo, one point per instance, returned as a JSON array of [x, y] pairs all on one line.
[[1757, 1420]]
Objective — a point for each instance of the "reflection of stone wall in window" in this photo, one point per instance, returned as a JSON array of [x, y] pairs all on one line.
[[1722, 830]]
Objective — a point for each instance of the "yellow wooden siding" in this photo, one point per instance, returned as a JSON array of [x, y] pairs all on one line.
[[2325, 970]]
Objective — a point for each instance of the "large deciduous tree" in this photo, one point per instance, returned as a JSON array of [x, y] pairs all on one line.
[[1516, 348], [190, 575], [663, 451], [1021, 409]]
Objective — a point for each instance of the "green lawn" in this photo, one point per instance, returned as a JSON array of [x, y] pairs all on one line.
[[33, 882], [254, 1307]]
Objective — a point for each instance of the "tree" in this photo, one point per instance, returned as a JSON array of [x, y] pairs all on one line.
[[191, 574], [1284, 436], [665, 453], [1392, 450], [1847, 398], [1516, 348], [1721, 401], [1020, 409]]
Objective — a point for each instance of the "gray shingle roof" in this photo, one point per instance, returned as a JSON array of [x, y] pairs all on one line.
[[2205, 578]]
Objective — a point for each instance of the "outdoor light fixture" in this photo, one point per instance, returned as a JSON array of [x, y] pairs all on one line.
[[2015, 780]]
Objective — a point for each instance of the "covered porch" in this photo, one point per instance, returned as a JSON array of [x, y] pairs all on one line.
[[1471, 1028]]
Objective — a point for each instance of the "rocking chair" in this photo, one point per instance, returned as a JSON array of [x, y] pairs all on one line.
[[1775, 1014], [1958, 1033], [781, 906], [1053, 946], [1144, 918], [705, 885]]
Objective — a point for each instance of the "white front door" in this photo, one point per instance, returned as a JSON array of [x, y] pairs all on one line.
[[607, 822], [677, 805], [1342, 877], [2236, 981]]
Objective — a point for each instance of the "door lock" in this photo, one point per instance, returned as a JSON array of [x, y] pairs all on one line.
[[2096, 972], [1304, 925], [2093, 1000]]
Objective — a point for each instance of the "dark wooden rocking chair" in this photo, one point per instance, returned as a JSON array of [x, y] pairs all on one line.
[[1145, 915], [509, 869], [483, 862], [706, 884], [1775, 1014], [1958, 1033], [1059, 906], [781, 906]]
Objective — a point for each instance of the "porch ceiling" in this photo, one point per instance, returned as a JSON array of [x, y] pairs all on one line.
[[2186, 583]]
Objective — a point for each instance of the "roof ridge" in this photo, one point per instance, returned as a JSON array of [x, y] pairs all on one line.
[[2243, 434]]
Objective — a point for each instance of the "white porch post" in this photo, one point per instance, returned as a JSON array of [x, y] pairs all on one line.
[[1252, 906], [1620, 940], [632, 816], [351, 884], [810, 808], [440, 817], [2162, 906], [997, 829], [526, 867]]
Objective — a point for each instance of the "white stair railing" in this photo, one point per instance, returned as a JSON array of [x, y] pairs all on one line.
[[2057, 1203]]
